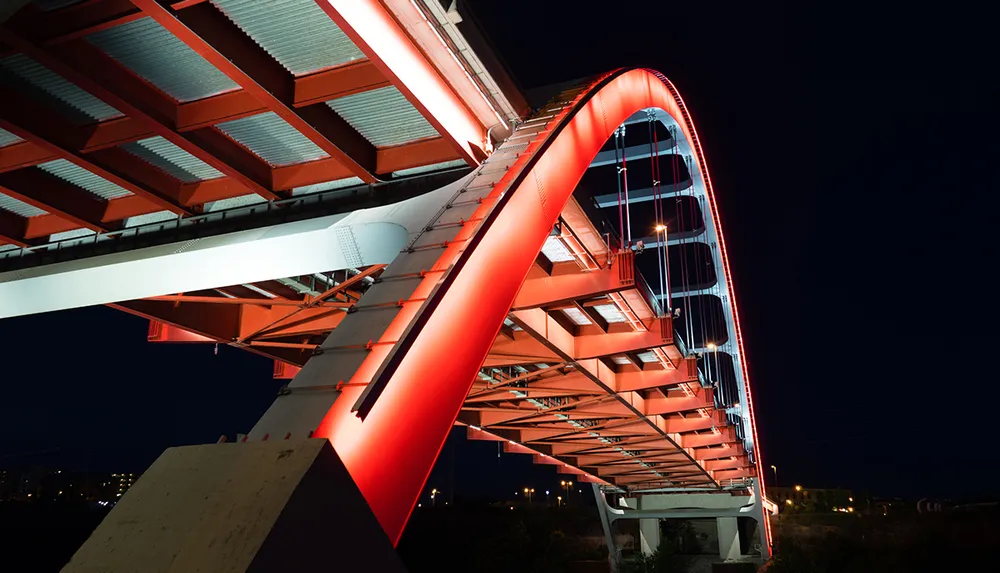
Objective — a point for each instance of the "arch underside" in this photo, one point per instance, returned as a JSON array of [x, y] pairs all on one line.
[[564, 355]]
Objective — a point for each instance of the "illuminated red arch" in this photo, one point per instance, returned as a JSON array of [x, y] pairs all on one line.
[[391, 452]]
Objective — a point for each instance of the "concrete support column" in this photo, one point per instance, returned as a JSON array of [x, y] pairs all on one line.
[[649, 535], [764, 547], [729, 537]]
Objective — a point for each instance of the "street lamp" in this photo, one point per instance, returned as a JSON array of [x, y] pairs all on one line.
[[434, 493], [559, 501], [708, 362], [798, 488], [527, 492], [566, 485], [775, 474]]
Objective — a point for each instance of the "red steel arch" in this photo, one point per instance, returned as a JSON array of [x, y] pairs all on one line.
[[423, 381]]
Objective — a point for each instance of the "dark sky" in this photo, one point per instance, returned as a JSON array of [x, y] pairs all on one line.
[[853, 152]]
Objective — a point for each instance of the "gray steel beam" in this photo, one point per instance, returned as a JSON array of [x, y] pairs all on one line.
[[634, 152], [646, 194]]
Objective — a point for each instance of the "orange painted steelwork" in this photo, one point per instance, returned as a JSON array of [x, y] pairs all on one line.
[[528, 199], [373, 448], [372, 28]]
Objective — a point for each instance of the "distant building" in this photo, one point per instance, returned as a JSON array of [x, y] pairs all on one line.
[[808, 499], [48, 485], [124, 481]]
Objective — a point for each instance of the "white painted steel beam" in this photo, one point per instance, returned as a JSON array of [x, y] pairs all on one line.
[[361, 238]]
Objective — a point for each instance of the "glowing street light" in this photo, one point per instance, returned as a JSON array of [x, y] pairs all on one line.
[[434, 493], [566, 485], [798, 488], [660, 228]]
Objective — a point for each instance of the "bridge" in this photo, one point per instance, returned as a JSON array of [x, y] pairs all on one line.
[[358, 191]]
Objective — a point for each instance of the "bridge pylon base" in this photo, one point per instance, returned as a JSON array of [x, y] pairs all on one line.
[[286, 505]]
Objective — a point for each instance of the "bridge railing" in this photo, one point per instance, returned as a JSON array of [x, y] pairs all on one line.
[[323, 203]]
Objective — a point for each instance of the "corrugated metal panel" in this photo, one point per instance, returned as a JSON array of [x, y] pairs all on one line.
[[648, 356], [151, 51], [383, 117], [297, 33], [49, 5], [610, 313], [73, 234], [327, 186], [576, 315], [8, 138], [34, 79], [555, 251], [8, 203], [157, 217], [82, 178], [272, 139], [429, 168], [233, 202], [172, 159]]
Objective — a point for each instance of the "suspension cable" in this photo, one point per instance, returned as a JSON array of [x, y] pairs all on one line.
[[658, 206], [628, 211], [618, 180], [701, 266], [654, 153], [685, 274], [689, 241]]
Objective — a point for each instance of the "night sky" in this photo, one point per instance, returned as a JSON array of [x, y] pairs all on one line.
[[854, 154]]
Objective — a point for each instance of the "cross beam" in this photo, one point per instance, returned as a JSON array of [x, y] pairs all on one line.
[[208, 32]]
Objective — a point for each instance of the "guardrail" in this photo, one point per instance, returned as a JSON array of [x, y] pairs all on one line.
[[332, 202]]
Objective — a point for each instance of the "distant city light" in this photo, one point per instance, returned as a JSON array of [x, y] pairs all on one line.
[[798, 488]]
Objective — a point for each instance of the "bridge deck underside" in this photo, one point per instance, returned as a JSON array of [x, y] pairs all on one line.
[[509, 308], [120, 114], [584, 375]]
